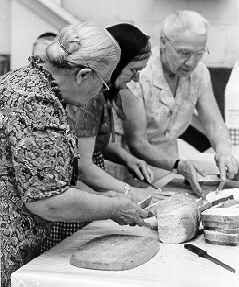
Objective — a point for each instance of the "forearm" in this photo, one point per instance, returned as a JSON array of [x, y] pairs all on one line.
[[197, 124], [74, 205], [116, 153], [153, 155], [98, 179], [219, 138]]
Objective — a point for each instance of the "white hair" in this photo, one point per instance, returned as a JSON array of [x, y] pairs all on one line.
[[184, 21], [84, 44]]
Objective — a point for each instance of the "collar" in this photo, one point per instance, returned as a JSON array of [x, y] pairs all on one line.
[[158, 79]]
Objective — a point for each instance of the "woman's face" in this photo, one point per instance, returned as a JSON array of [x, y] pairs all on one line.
[[130, 72], [183, 54]]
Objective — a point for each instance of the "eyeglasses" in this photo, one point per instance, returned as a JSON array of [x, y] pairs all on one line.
[[105, 85], [185, 53]]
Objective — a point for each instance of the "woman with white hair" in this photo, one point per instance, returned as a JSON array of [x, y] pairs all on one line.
[[38, 149], [91, 120], [174, 85]]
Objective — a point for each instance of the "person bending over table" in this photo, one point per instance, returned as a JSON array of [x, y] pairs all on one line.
[[38, 149], [173, 86], [92, 124]]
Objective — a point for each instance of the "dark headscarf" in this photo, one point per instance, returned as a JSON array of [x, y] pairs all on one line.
[[133, 44]]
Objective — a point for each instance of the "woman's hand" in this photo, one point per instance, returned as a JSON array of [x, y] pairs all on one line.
[[126, 212], [227, 164], [190, 171], [140, 168]]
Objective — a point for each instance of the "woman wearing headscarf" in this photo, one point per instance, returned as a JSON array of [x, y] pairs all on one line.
[[38, 149], [94, 132], [92, 123], [136, 50]]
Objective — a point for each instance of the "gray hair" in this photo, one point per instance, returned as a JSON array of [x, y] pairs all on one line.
[[184, 21], [84, 44]]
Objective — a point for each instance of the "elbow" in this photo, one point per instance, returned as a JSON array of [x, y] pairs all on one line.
[[84, 167], [44, 210], [138, 144]]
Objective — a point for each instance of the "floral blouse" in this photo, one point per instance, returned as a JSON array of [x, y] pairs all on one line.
[[92, 120], [37, 150]]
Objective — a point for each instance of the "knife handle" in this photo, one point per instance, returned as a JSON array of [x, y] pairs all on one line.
[[195, 249]]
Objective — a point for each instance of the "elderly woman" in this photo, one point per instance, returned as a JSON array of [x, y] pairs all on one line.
[[136, 50], [38, 149], [92, 121], [173, 88], [92, 124]]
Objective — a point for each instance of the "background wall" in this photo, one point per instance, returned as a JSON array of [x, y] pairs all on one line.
[[25, 28], [18, 22], [223, 16], [5, 26]]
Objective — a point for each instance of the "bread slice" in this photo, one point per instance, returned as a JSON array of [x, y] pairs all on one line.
[[217, 237], [222, 214]]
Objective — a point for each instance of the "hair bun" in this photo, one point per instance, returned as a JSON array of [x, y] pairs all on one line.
[[56, 54], [82, 44]]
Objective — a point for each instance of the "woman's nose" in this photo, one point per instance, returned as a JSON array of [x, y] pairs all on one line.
[[192, 60]]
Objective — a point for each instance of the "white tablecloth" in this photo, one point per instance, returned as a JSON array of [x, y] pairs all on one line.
[[172, 266]]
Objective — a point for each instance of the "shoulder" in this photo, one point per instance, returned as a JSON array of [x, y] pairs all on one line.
[[25, 86], [86, 118], [152, 64], [25, 97], [146, 76]]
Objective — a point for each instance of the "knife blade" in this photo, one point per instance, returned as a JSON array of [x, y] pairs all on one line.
[[202, 253], [208, 204], [145, 203], [150, 184]]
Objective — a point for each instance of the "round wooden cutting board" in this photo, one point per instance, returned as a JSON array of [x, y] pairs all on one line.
[[115, 252]]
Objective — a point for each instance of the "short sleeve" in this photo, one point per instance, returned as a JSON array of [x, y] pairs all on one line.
[[85, 119], [131, 96], [42, 149]]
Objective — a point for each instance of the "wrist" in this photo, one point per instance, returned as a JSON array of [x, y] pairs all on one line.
[[128, 159], [223, 149], [115, 205], [126, 189]]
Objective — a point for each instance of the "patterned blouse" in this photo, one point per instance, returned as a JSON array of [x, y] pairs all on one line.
[[37, 150], [92, 120]]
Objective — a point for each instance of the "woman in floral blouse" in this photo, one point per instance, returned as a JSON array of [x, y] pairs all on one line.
[[38, 149]]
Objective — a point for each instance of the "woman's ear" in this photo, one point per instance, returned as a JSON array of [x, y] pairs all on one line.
[[82, 75]]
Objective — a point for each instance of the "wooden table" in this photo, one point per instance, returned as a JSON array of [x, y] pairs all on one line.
[[173, 266]]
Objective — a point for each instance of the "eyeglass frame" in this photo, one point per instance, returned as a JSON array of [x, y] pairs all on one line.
[[105, 85], [191, 53]]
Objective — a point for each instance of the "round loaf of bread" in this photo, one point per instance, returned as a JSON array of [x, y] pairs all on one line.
[[178, 218]]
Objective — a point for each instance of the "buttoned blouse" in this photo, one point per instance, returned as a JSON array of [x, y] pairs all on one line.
[[167, 115]]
